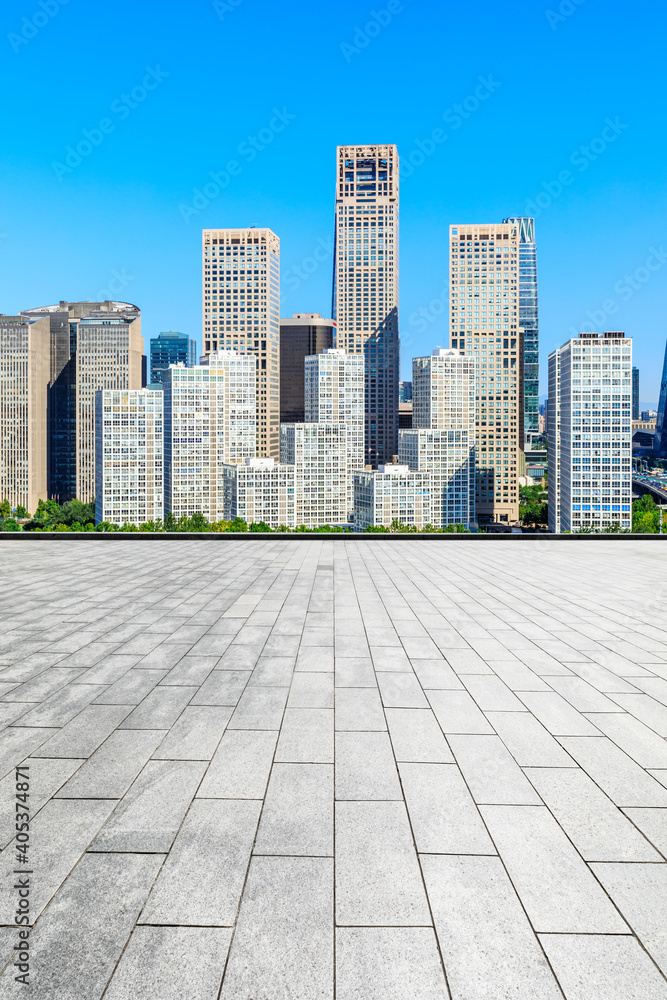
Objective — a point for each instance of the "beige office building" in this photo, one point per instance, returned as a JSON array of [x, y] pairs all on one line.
[[365, 284], [241, 312], [484, 324], [93, 346], [24, 379]]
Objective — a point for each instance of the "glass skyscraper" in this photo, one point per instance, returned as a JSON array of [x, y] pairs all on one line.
[[635, 393], [528, 319], [660, 439], [171, 348]]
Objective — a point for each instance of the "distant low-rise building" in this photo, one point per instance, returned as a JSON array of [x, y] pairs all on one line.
[[260, 489], [392, 493], [319, 453]]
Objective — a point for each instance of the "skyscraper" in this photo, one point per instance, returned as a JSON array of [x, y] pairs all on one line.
[[660, 438], [301, 336], [171, 348], [529, 322], [319, 455], [590, 433], [365, 283], [241, 312], [24, 379], [94, 345], [209, 421], [129, 486], [484, 295], [635, 393]]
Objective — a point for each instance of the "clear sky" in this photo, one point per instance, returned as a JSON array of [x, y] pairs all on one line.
[[550, 109]]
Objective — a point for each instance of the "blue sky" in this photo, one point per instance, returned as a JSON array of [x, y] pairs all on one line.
[[569, 118]]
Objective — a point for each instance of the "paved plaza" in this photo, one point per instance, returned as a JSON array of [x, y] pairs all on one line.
[[295, 769]]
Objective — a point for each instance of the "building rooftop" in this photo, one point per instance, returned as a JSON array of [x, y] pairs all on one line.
[[297, 768]]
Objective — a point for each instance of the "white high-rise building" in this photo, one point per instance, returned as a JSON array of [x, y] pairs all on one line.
[[319, 454], [392, 493], [334, 394], [260, 489], [442, 439], [209, 421], [484, 296], [241, 312], [590, 433], [365, 283], [129, 486]]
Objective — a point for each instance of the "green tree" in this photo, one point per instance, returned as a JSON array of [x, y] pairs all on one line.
[[170, 523], [10, 524], [5, 508], [21, 512], [260, 526]]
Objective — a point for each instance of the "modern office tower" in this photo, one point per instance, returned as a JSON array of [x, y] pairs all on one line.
[[301, 336], [484, 294], [635, 393], [529, 322], [209, 421], [405, 392], [94, 345], [24, 379], [334, 394], [260, 489], [442, 438], [129, 454], [365, 283], [171, 348], [241, 305], [393, 493], [590, 433], [319, 453]]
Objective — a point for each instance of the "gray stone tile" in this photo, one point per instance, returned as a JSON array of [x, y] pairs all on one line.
[[596, 827], [444, 818], [378, 881], [437, 675], [582, 695], [490, 771], [528, 741], [241, 765], [399, 690], [196, 734], [159, 709], [111, 770], [607, 967], [131, 688], [108, 670], [487, 944], [307, 736], [163, 657], [11, 711], [624, 781], [354, 671], [388, 963], [171, 963], [260, 708], [557, 715], [390, 658], [47, 683], [491, 694], [46, 777], [192, 893], [417, 737], [149, 815], [365, 767], [283, 945], [84, 734], [222, 687], [640, 893], [101, 899], [457, 712], [297, 818], [191, 670], [359, 709], [518, 676], [467, 661], [273, 671], [311, 690], [653, 824], [634, 738], [555, 886], [238, 658]]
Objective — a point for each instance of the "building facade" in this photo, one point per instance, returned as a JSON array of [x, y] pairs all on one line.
[[302, 336], [241, 307], [319, 454], [484, 296], [24, 381], [171, 348], [529, 323], [209, 422], [392, 493], [129, 456], [635, 393], [260, 489], [365, 283], [94, 346], [590, 433]]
